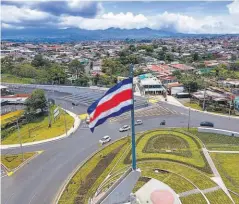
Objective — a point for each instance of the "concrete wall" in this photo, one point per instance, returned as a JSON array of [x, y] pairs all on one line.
[[218, 131]]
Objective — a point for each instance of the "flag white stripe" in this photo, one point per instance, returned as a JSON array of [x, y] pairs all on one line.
[[110, 111], [111, 95]]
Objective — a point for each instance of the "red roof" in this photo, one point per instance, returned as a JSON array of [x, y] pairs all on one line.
[[17, 96], [181, 67]]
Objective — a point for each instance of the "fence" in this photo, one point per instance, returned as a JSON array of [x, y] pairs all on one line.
[[218, 131]]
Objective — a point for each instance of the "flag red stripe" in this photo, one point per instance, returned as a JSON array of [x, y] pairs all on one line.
[[113, 102]]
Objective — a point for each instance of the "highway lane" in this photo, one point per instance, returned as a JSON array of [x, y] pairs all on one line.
[[40, 180]]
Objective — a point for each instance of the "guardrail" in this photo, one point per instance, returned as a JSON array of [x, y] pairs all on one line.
[[218, 131]]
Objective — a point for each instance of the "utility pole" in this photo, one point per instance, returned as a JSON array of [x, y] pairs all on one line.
[[189, 115], [65, 121], [20, 140], [49, 115], [204, 97]]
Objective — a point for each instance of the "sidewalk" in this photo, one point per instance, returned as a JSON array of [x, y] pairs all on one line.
[[173, 101], [69, 132]]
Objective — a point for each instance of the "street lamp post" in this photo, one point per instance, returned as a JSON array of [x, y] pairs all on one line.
[[189, 115], [20, 139]]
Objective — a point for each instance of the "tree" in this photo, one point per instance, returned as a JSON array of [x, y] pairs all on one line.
[[169, 57], [177, 74], [96, 79], [233, 57], [82, 81], [195, 56], [38, 61], [36, 101], [132, 48], [56, 74], [77, 68], [165, 48], [91, 65], [7, 65], [161, 55]]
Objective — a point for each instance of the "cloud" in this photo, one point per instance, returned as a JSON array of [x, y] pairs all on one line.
[[121, 20], [90, 15], [233, 7], [59, 7], [14, 14], [9, 26], [165, 21]]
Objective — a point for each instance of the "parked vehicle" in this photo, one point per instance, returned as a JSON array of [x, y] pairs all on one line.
[[207, 124], [124, 128], [105, 140], [163, 122], [138, 122]]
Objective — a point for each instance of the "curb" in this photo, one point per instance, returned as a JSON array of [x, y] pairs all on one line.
[[216, 114], [11, 172], [69, 133], [66, 182]]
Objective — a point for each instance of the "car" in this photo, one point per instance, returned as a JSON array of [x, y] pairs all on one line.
[[163, 122], [206, 123], [105, 140], [124, 128], [87, 120], [138, 122]]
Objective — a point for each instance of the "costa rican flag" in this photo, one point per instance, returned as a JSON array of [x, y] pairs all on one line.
[[116, 101]]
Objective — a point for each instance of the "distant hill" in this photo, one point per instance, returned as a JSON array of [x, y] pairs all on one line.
[[52, 35]]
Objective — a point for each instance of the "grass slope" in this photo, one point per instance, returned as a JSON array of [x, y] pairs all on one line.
[[217, 141], [228, 166], [39, 130], [8, 78], [9, 117]]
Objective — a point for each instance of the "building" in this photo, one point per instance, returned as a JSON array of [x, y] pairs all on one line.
[[181, 67], [150, 85]]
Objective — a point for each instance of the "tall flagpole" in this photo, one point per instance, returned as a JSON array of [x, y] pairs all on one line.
[[132, 122]]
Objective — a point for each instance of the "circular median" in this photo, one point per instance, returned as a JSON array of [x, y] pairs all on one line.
[[177, 161]]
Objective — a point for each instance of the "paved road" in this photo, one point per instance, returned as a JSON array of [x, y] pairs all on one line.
[[40, 180]]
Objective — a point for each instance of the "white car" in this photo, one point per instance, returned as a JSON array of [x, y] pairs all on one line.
[[105, 139], [124, 128], [138, 122]]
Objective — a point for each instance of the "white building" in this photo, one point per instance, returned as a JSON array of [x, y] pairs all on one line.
[[151, 86]]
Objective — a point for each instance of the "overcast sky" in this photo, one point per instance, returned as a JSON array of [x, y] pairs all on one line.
[[180, 16]]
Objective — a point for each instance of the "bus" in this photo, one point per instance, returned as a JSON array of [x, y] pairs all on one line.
[[182, 95]]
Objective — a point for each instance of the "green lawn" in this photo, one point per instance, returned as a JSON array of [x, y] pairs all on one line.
[[38, 130], [10, 117], [190, 154], [81, 185], [228, 166], [12, 161], [235, 198], [217, 141], [218, 197], [181, 175], [195, 198], [8, 78], [193, 105]]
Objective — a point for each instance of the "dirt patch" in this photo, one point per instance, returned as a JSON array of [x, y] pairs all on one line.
[[94, 175]]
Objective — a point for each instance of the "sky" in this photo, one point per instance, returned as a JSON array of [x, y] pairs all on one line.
[[217, 17]]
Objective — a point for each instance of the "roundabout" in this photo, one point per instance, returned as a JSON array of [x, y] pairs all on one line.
[[178, 162], [41, 179]]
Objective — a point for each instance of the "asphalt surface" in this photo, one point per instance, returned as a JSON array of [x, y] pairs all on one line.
[[39, 181]]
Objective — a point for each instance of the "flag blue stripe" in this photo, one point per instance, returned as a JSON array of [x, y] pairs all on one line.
[[93, 106], [121, 111]]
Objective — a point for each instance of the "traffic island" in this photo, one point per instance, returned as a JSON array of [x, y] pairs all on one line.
[[172, 156], [12, 162], [39, 130]]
